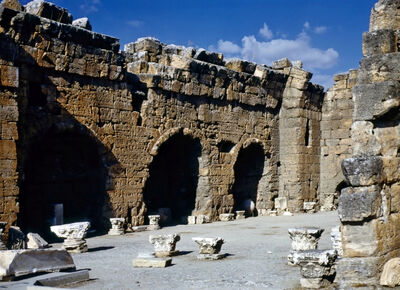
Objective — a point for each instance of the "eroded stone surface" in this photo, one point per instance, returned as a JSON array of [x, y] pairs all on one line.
[[16, 263], [117, 226], [305, 238], [209, 248], [35, 241], [154, 222], [73, 235], [391, 273], [16, 239], [164, 245], [226, 217]]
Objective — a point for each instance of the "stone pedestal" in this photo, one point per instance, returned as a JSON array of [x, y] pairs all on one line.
[[2, 227], [226, 217], [164, 245], [240, 214], [154, 222], [316, 267], [209, 248], [117, 226], [303, 239], [309, 207], [74, 235], [202, 219], [191, 220]]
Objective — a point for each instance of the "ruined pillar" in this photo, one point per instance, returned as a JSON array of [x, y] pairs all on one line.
[[299, 136], [369, 209]]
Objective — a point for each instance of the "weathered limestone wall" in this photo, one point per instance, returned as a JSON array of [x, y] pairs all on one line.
[[369, 208], [61, 80], [337, 111], [299, 133]]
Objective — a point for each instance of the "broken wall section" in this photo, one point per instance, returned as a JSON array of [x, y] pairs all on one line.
[[369, 209], [337, 117]]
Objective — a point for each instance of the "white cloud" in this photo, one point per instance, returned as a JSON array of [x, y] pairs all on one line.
[[135, 23], [265, 52], [307, 25], [228, 47], [320, 29], [266, 32], [90, 6]]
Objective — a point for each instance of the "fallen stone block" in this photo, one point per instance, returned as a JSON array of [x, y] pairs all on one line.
[[139, 228], [15, 263], [390, 276], [148, 260], [35, 241], [62, 279], [164, 245], [74, 235], [226, 217]]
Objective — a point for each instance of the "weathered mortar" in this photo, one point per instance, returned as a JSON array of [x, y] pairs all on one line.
[[58, 79]]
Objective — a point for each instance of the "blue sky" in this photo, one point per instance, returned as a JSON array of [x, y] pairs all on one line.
[[325, 34]]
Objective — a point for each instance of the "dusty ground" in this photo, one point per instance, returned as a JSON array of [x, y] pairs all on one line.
[[257, 249]]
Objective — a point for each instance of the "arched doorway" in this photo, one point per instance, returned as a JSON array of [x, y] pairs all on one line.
[[173, 178], [62, 168], [248, 170]]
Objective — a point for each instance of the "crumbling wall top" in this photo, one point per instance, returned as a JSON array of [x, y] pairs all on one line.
[[385, 15]]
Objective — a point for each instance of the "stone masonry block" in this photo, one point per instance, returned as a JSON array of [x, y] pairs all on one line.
[[360, 203], [379, 42], [49, 10], [363, 170]]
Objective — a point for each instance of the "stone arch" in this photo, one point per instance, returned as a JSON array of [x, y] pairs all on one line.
[[249, 168], [172, 183], [62, 166]]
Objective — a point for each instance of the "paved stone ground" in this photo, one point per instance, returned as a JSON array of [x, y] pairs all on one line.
[[257, 249]]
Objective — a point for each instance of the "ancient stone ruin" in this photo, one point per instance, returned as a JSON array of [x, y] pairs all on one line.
[[167, 134]]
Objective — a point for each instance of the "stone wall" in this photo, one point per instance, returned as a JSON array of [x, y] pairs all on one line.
[[369, 208], [65, 89], [337, 111]]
